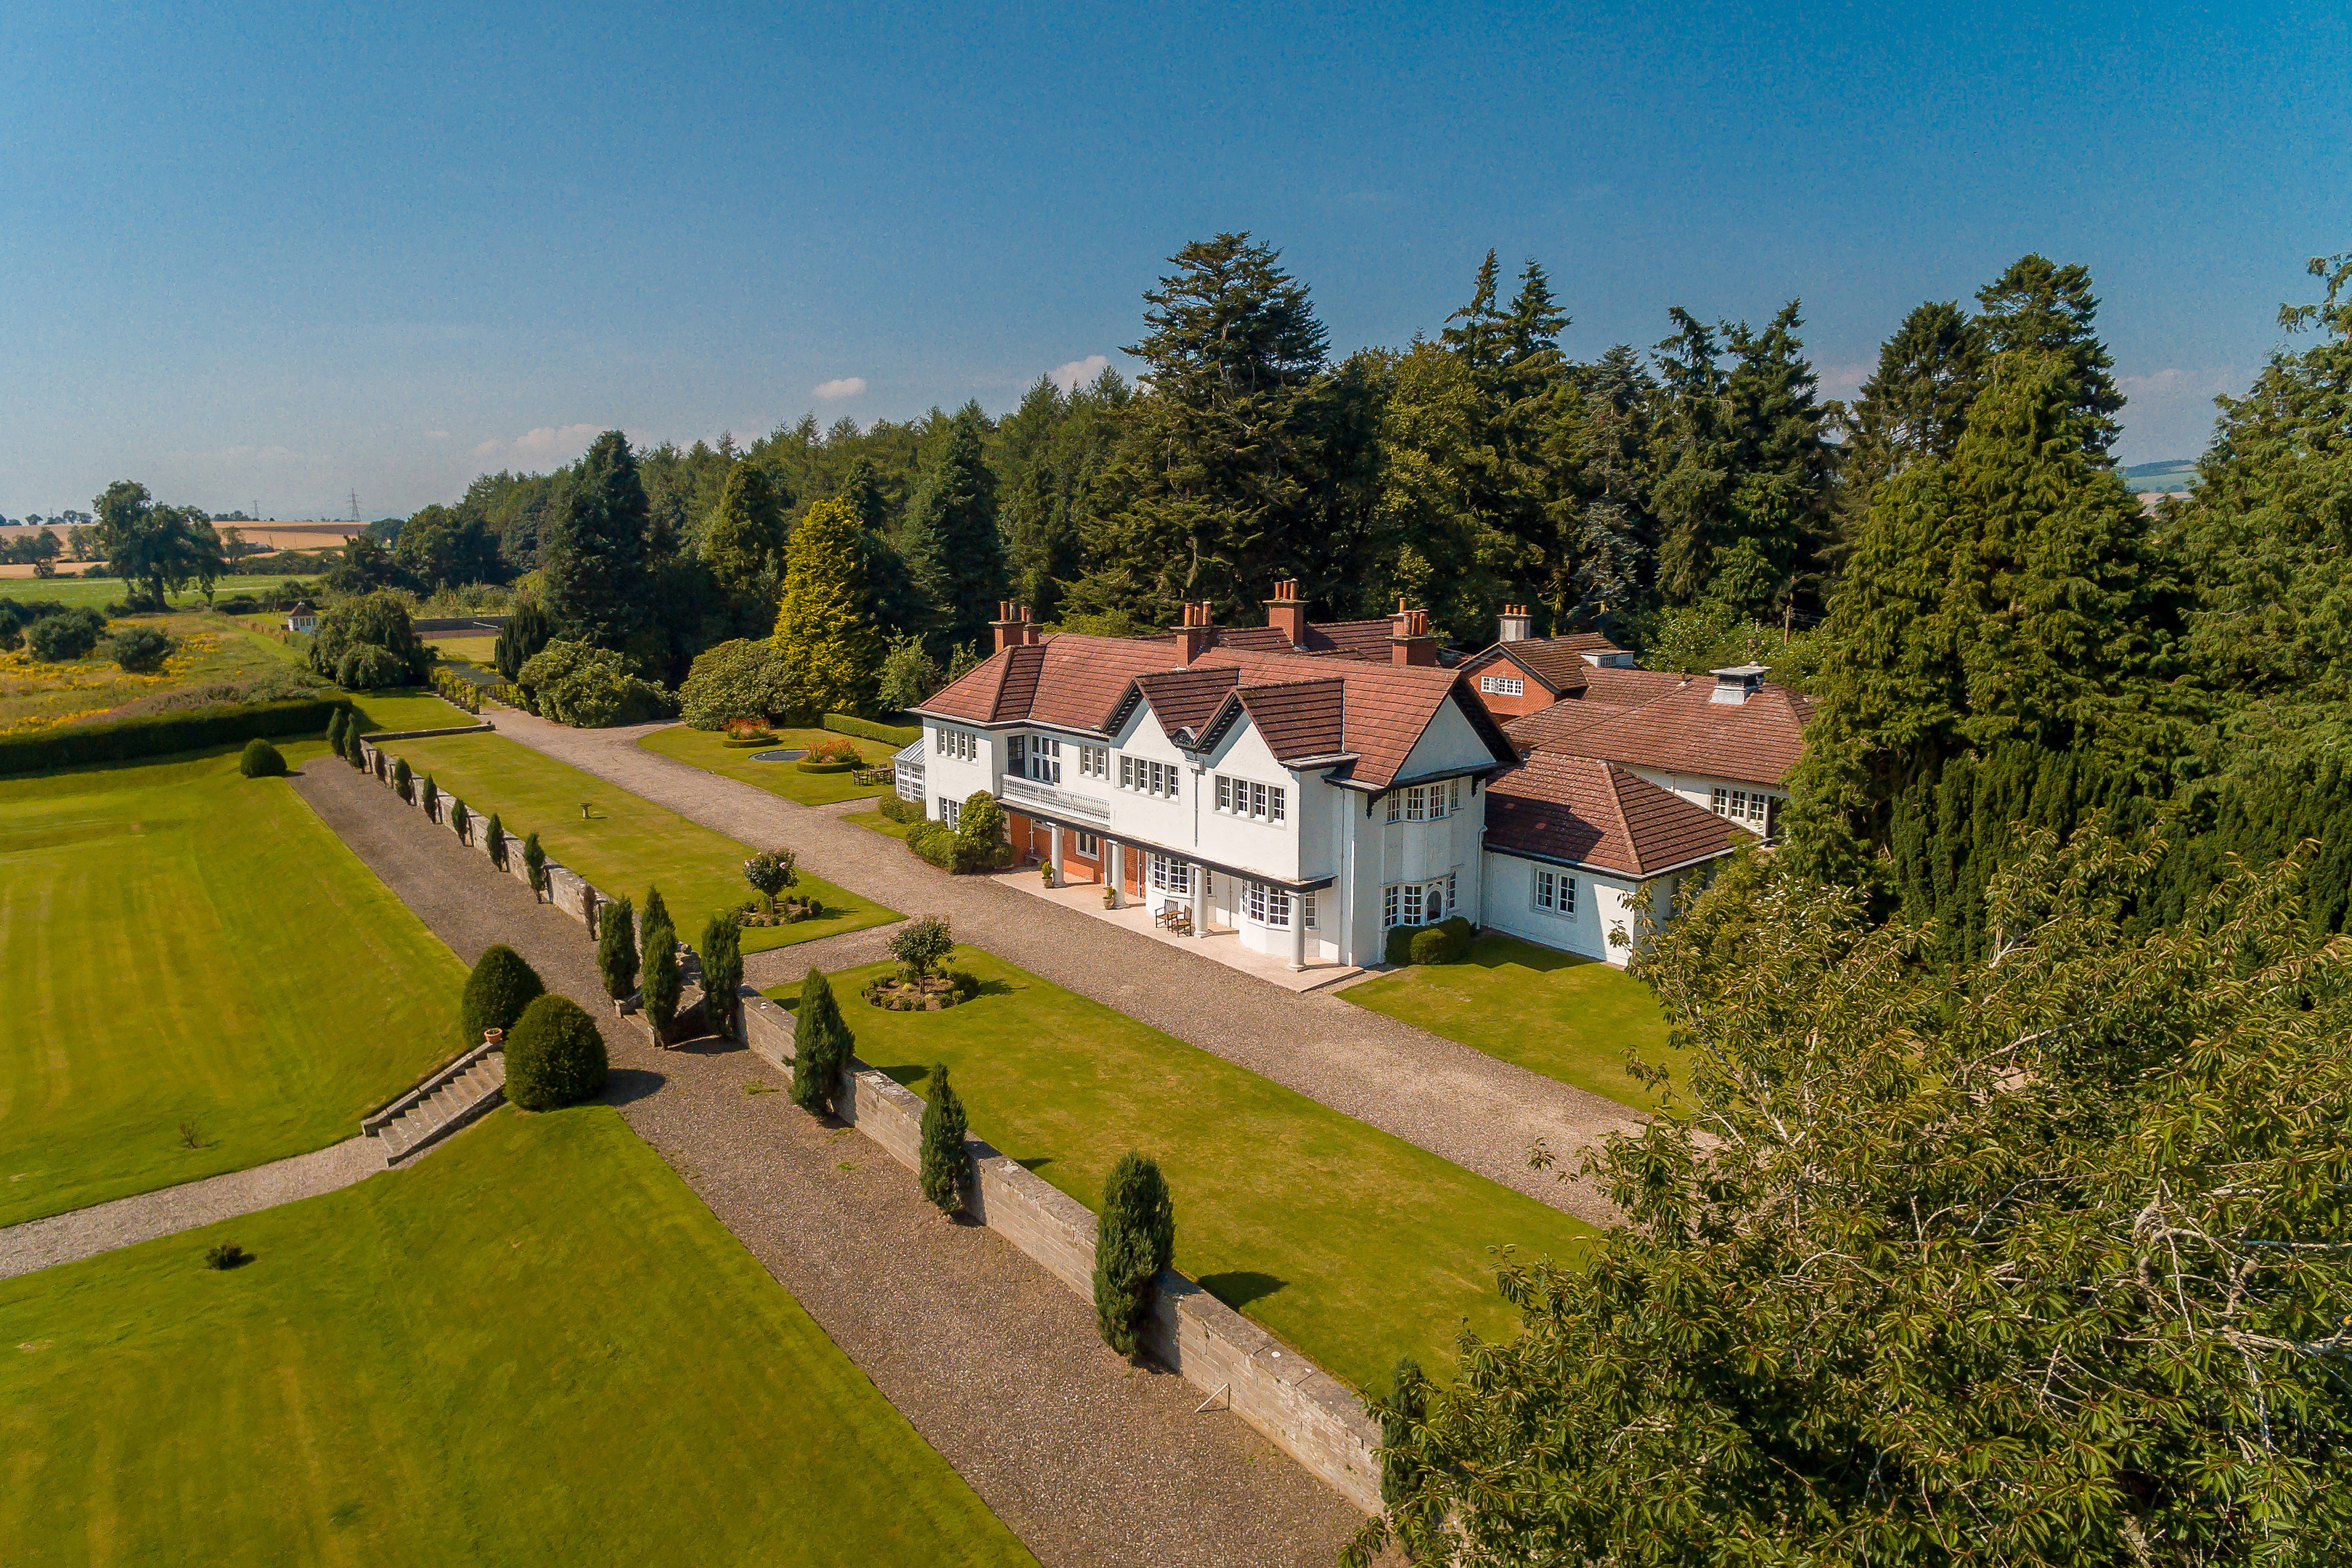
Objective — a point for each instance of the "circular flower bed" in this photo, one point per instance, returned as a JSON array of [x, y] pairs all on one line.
[[789, 912], [811, 766], [897, 994], [755, 738]]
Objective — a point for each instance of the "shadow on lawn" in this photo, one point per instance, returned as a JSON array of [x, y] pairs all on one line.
[[1240, 1288]]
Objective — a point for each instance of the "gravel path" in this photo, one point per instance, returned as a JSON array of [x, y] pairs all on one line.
[[1461, 1104], [102, 1227], [1090, 1459]]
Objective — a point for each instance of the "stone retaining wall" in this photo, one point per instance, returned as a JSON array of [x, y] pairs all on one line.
[[1303, 1410], [567, 890]]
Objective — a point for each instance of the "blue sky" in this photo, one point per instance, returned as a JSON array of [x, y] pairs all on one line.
[[278, 253]]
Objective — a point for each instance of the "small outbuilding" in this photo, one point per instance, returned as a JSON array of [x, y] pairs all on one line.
[[302, 618]]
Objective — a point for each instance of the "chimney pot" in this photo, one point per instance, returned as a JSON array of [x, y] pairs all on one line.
[[1287, 613], [1197, 635], [1516, 624]]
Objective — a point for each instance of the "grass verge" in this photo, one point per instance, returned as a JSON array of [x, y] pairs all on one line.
[[626, 843], [179, 944], [1570, 1018], [704, 749], [1354, 1246], [536, 1346], [882, 825]]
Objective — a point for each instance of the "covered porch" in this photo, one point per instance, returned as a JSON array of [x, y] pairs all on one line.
[[1223, 945]]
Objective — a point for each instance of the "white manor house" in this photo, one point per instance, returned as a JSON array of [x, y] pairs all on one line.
[[1311, 787]]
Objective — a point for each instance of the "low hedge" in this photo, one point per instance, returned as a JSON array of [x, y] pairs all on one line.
[[866, 729], [812, 768], [162, 734], [935, 842], [897, 810], [1445, 942]]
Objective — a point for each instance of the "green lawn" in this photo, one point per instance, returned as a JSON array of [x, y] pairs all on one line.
[[1569, 1018], [536, 1346], [472, 648], [628, 842], [1354, 1246], [99, 591], [881, 823], [704, 749], [181, 944]]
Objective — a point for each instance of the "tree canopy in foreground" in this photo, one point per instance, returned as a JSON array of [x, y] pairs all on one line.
[[2039, 1258]]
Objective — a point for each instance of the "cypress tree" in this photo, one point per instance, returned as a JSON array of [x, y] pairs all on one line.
[[402, 779], [722, 975], [593, 556], [823, 627], [432, 796], [947, 1162], [662, 982], [495, 835], [745, 543], [524, 635], [655, 909], [534, 862], [950, 540], [354, 752], [822, 1045], [2038, 307], [1407, 1403], [616, 949], [459, 820], [502, 985], [1135, 1238], [335, 722]]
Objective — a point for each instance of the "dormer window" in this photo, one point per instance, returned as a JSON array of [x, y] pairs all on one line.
[[1425, 803], [1503, 685]]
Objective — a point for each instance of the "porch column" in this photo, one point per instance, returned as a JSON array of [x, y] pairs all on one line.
[[1200, 900], [1297, 931], [1053, 830], [1114, 863]]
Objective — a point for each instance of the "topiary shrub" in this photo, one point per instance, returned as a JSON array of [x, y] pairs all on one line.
[[722, 975], [261, 761], [429, 795], [554, 1054], [141, 650], [1430, 944], [495, 836], [335, 724], [663, 985], [500, 988], [534, 862], [354, 749], [1135, 1238], [616, 949], [403, 780], [1460, 929], [822, 1045], [460, 820], [946, 1161], [1396, 948], [655, 910]]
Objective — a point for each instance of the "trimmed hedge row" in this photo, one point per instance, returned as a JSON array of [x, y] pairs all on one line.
[[866, 729], [160, 734]]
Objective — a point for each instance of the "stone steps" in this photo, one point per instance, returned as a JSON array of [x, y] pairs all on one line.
[[464, 1091]]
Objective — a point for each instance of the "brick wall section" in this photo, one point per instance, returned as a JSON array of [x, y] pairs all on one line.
[[1303, 1410]]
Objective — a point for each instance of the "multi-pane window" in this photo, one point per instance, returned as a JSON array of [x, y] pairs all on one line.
[[1088, 845], [1752, 808], [1094, 761], [1555, 893], [1417, 903], [1245, 798], [950, 810], [1503, 685], [1425, 803], [960, 744], [1170, 875], [1307, 909], [1151, 777], [1044, 759], [1269, 906]]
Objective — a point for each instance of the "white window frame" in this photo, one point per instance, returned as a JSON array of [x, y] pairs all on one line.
[[1090, 845], [1170, 875], [1503, 685], [1390, 905], [1045, 760], [950, 811], [960, 744], [1307, 909], [1269, 906], [1554, 893]]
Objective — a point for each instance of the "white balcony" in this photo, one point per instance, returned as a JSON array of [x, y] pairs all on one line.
[[1062, 803]]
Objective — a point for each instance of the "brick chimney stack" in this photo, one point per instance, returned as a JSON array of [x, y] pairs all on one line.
[[1408, 638], [1005, 629], [1515, 623], [1029, 636], [1197, 635], [1287, 613]]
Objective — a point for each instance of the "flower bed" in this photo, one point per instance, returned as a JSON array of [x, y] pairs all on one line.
[[788, 912], [756, 738], [900, 994], [812, 765]]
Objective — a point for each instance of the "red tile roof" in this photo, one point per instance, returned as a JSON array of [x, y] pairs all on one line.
[[1298, 719], [1592, 813], [1184, 701], [1065, 679], [1683, 729], [1346, 639], [1386, 707]]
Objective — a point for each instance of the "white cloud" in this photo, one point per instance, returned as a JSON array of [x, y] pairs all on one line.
[[1071, 376], [847, 387], [437, 435], [547, 444]]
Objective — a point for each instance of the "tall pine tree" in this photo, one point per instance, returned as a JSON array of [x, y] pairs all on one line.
[[743, 543], [824, 630], [592, 553], [951, 542], [1915, 405], [2037, 306]]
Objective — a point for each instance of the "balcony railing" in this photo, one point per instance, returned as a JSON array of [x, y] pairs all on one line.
[[1058, 802]]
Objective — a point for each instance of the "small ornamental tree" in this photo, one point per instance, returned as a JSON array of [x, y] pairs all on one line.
[[335, 723], [664, 982], [459, 820], [979, 831], [771, 873], [555, 1056], [495, 835], [431, 799], [1135, 1238], [141, 650], [354, 752], [921, 945], [616, 949], [822, 1043], [534, 862], [1406, 1406], [723, 974], [497, 990], [261, 761], [655, 910], [402, 785], [947, 1162]]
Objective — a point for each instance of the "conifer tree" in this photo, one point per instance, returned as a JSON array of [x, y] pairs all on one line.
[[430, 794], [335, 722], [354, 751], [823, 627], [664, 984], [524, 635], [460, 820], [1915, 405], [1406, 1406], [594, 574], [947, 1162], [494, 834], [745, 543], [722, 975], [2039, 307], [951, 541], [534, 864], [1135, 1238], [821, 1046], [402, 778], [616, 948], [655, 909], [501, 986]]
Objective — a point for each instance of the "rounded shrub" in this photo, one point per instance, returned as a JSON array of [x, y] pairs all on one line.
[[141, 650], [261, 761], [65, 636], [1430, 944], [497, 990], [554, 1054]]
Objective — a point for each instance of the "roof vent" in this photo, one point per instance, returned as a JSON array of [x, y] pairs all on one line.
[[1736, 683]]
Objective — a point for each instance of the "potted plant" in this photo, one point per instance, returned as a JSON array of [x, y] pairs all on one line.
[[1110, 896], [1046, 871]]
